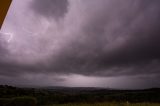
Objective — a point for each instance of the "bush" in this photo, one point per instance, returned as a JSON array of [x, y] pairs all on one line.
[[4, 101], [22, 101]]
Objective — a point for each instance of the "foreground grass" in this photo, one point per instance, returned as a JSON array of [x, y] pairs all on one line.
[[109, 104]]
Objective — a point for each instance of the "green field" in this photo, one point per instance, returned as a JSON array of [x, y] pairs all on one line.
[[109, 104]]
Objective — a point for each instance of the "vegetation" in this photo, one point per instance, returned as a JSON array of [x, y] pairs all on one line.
[[18, 101], [109, 104], [13, 96]]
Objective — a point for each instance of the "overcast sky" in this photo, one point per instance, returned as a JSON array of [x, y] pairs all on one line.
[[95, 43]]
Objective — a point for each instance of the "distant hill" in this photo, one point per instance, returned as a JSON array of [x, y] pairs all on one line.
[[58, 94]]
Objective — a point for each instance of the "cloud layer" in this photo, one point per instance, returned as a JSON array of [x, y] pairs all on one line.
[[104, 38], [50, 8]]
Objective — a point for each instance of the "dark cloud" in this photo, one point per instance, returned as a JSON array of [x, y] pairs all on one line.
[[114, 39], [124, 34], [3, 49], [122, 39], [50, 8]]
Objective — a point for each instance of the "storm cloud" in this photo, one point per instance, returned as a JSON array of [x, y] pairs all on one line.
[[50, 8], [92, 38]]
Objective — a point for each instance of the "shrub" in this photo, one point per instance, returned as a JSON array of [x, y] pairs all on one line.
[[22, 101], [4, 101]]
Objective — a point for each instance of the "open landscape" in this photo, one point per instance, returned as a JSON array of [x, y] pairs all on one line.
[[110, 104], [79, 52], [77, 96]]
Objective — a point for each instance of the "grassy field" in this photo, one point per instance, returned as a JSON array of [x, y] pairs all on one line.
[[109, 104]]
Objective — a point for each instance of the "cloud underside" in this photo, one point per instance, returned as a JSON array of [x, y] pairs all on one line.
[[50, 8], [105, 38]]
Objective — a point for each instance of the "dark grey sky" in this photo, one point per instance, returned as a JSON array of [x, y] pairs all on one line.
[[104, 43]]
